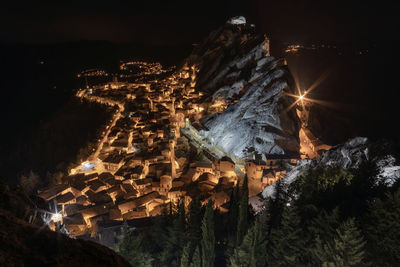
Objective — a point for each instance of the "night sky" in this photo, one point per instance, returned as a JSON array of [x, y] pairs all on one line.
[[181, 22]]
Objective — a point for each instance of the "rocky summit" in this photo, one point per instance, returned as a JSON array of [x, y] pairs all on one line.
[[235, 67]]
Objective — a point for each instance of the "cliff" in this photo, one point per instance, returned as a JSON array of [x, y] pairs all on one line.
[[235, 66]]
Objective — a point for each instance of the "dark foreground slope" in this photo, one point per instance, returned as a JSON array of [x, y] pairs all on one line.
[[30, 244]]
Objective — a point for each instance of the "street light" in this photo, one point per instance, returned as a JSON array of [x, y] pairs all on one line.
[[56, 217]]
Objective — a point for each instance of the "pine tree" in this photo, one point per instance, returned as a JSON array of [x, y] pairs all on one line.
[[243, 212], [322, 231], [348, 245], [185, 259], [286, 241], [325, 224], [321, 252], [208, 236], [383, 230], [251, 253], [196, 262], [346, 248]]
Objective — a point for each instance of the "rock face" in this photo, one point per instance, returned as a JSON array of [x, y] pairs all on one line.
[[235, 66], [348, 155]]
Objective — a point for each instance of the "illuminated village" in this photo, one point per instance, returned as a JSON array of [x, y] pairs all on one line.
[[152, 156], [167, 134]]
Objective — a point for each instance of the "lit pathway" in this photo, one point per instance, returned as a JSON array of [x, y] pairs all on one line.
[[117, 115]]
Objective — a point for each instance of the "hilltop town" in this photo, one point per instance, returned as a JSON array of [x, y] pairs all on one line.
[[154, 154], [151, 154]]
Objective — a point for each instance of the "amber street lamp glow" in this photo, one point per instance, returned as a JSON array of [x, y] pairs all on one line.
[[301, 97], [56, 217]]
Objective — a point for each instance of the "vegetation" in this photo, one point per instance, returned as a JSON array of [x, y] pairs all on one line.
[[308, 223], [130, 247], [208, 237]]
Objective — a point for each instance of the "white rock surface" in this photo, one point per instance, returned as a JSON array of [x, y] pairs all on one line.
[[233, 63], [237, 20], [348, 155]]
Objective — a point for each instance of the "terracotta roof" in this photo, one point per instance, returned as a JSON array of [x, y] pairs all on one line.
[[64, 199], [52, 192]]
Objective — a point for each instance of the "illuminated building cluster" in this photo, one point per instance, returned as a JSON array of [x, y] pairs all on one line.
[[141, 163]]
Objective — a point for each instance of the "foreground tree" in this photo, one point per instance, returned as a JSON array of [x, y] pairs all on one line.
[[232, 222], [243, 212], [173, 237], [251, 253], [194, 224], [185, 259], [286, 241], [347, 248], [276, 205], [131, 246], [233, 212], [208, 236], [383, 230], [322, 232], [196, 262]]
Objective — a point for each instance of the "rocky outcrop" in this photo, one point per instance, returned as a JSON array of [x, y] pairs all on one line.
[[349, 155], [235, 65]]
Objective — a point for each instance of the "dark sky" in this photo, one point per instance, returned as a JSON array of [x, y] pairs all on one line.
[[167, 22]]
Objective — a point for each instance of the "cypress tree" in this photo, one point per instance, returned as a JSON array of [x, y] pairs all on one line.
[[251, 253], [175, 237], [185, 259], [196, 258], [276, 205], [243, 212], [194, 223], [232, 222], [233, 211], [208, 237], [159, 233], [180, 224]]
